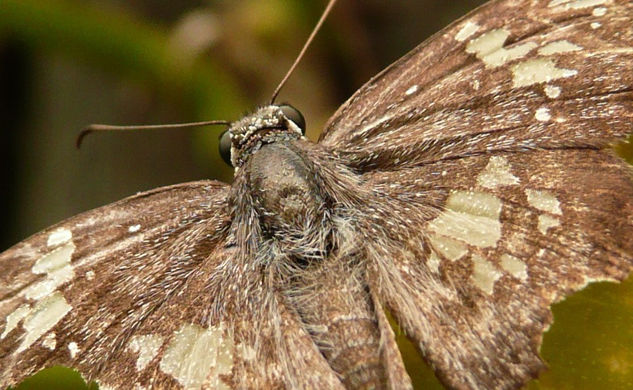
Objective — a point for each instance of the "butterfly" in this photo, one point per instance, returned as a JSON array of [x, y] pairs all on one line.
[[464, 189]]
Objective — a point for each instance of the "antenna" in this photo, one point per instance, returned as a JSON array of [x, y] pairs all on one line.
[[98, 127], [303, 50]]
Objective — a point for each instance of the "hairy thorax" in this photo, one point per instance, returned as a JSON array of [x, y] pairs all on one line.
[[285, 196], [301, 224]]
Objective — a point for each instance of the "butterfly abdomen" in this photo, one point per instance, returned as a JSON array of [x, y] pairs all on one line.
[[343, 326]]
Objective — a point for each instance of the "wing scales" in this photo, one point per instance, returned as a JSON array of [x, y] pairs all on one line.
[[478, 305], [154, 297], [441, 102]]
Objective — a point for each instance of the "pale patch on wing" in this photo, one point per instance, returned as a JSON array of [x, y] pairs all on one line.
[[50, 341], [447, 247], [90, 275], [413, 89], [552, 91], [484, 274], [433, 262], [105, 386], [14, 319], [546, 222], [576, 4], [496, 173], [197, 356], [562, 46], [595, 25], [540, 70], [58, 237], [544, 201], [57, 268], [247, 352], [146, 346], [45, 315], [488, 47], [600, 11], [542, 114], [467, 31], [134, 228], [73, 348], [584, 3], [471, 217], [514, 266]]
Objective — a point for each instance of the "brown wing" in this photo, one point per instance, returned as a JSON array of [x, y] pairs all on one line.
[[146, 292], [513, 75], [488, 243], [487, 148]]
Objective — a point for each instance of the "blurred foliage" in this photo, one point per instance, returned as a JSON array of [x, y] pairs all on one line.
[[68, 63]]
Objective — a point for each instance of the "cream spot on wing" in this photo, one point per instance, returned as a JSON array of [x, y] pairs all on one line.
[[44, 316], [547, 221], [433, 262], [146, 346], [584, 3], [514, 266], [484, 274], [552, 91], [90, 275], [14, 319], [540, 70], [544, 201], [542, 114], [197, 356], [595, 25], [476, 85], [516, 241], [467, 31], [59, 236], [447, 247], [73, 348], [105, 386], [56, 266], [411, 90], [600, 11], [472, 217], [134, 228], [577, 4], [488, 47], [248, 352], [49, 341], [496, 173], [562, 46]]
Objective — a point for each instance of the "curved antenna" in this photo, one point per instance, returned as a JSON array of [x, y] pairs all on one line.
[[303, 50], [98, 127]]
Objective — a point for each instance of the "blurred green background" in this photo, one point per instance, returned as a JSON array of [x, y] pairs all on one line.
[[64, 64]]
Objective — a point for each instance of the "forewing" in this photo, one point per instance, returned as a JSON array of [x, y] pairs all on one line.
[[146, 292], [487, 243], [513, 75], [497, 195]]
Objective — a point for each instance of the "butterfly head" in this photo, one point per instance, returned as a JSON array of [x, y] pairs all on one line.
[[266, 125]]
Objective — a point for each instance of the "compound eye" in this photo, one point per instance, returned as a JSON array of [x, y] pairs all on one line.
[[295, 116], [225, 147]]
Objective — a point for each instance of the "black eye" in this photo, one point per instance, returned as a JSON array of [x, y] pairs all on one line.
[[295, 116], [225, 147]]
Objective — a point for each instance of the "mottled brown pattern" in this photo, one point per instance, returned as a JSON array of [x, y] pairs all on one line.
[[443, 191]]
